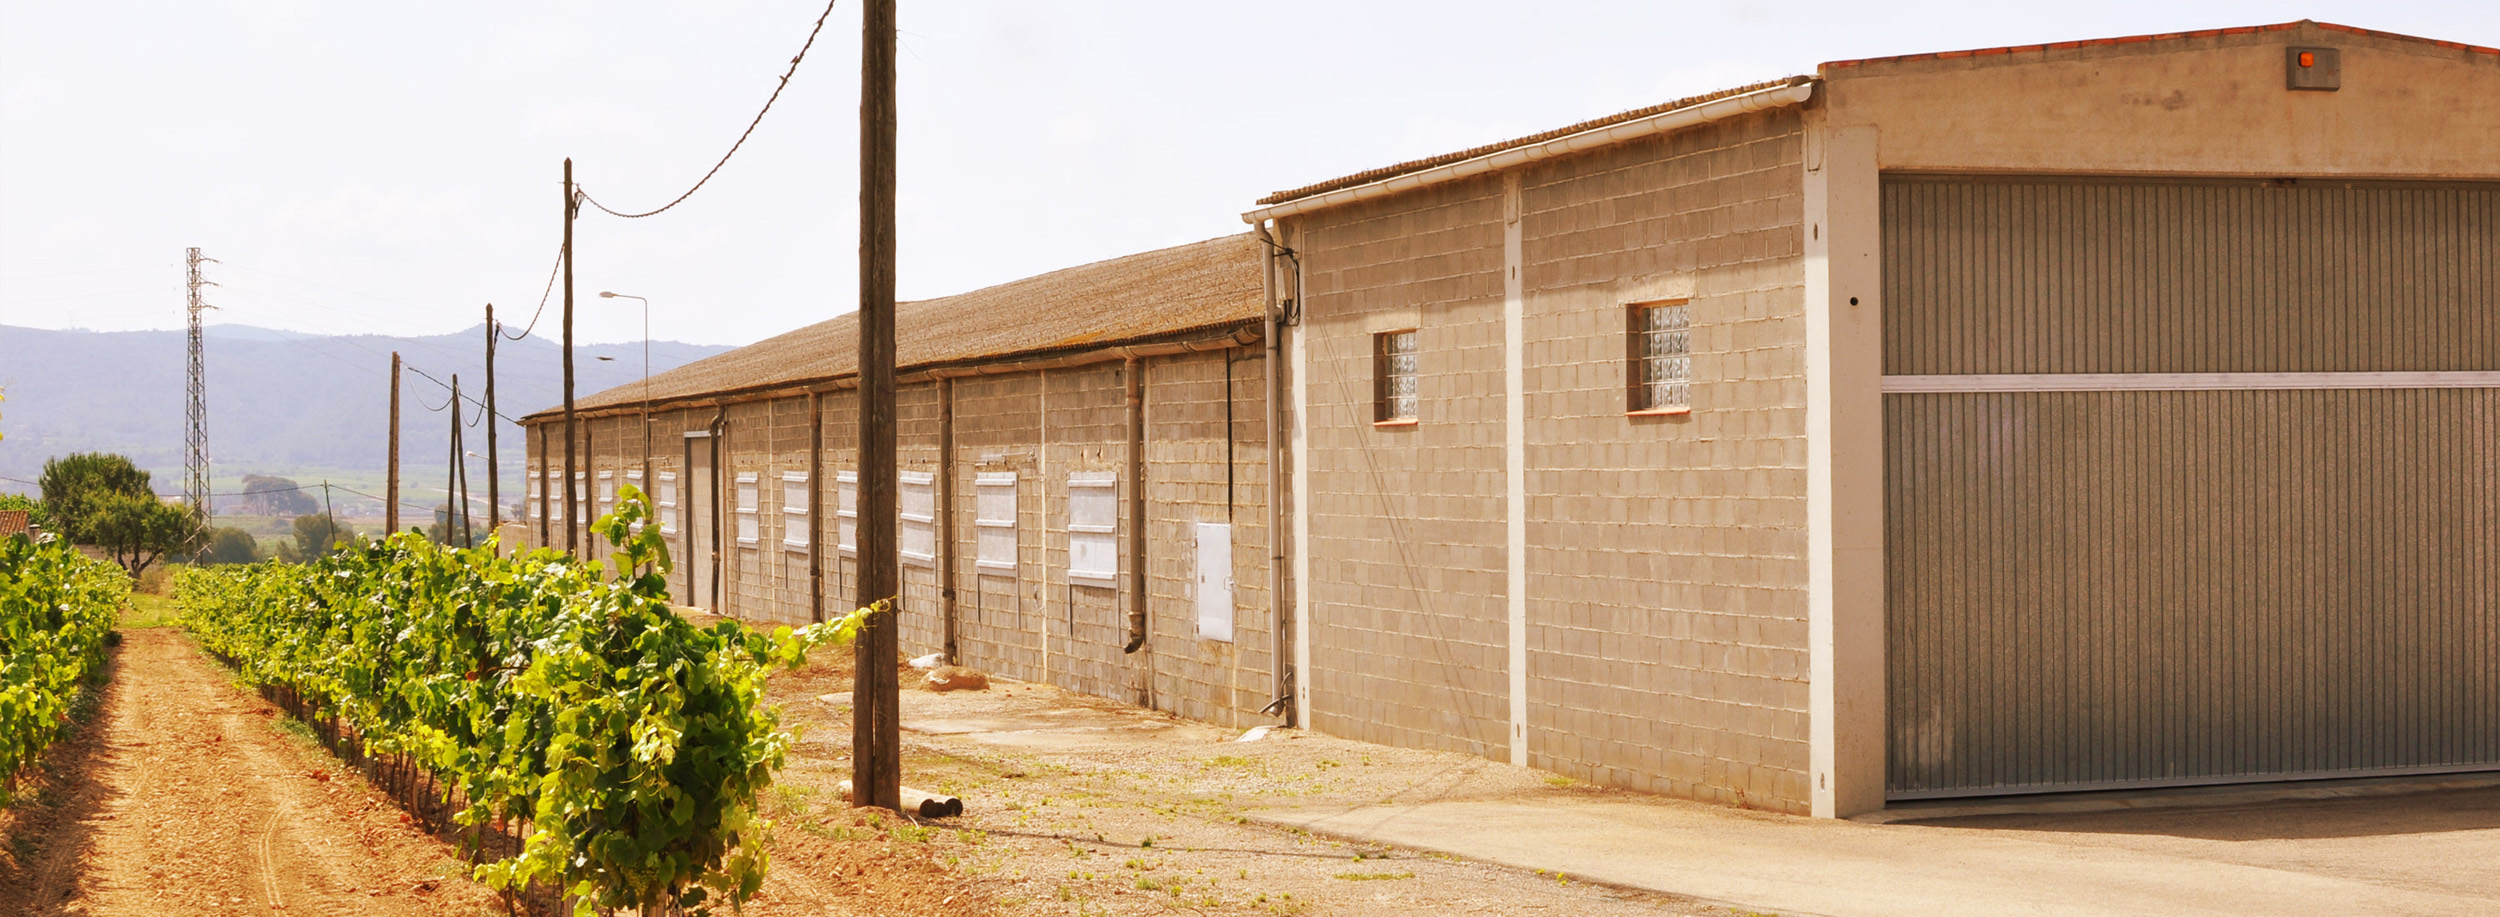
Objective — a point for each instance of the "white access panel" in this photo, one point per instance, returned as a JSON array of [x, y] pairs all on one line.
[[1215, 581]]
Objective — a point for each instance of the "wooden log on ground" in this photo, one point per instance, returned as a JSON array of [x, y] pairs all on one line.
[[920, 802]]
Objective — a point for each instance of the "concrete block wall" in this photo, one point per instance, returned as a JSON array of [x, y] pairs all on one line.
[[1409, 627], [1206, 453], [1083, 428], [999, 614], [841, 438], [747, 586], [668, 461], [923, 621], [1666, 555]]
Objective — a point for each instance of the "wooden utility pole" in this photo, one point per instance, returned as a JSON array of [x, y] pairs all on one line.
[[494, 494], [876, 731], [572, 510], [451, 471], [460, 473], [390, 494]]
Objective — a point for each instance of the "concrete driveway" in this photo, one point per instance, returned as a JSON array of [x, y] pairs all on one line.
[[2347, 850]]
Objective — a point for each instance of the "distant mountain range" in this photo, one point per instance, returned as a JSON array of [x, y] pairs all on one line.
[[282, 403]]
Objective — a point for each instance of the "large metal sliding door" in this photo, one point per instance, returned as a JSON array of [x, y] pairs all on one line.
[[2189, 481]]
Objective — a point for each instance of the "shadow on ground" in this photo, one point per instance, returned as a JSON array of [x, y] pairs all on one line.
[[2429, 812], [52, 825]]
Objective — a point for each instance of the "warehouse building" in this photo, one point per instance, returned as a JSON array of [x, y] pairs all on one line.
[[2093, 415], [2090, 415], [1083, 478]]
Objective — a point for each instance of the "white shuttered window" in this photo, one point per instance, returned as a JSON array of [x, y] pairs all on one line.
[[1093, 528], [994, 521]]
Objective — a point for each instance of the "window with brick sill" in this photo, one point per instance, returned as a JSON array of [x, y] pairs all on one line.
[[1659, 358], [1395, 391]]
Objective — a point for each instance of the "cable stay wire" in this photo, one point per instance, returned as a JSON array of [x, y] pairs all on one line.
[[472, 399], [742, 136]]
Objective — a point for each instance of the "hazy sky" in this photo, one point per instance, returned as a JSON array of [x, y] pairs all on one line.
[[360, 167]]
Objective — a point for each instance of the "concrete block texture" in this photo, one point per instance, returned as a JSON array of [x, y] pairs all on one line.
[[1666, 587], [1666, 556], [1206, 459], [1408, 630]]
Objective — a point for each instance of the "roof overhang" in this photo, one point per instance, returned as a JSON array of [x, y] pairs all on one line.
[[1609, 135]]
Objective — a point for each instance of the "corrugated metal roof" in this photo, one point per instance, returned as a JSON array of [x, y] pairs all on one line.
[[1143, 297], [1373, 175]]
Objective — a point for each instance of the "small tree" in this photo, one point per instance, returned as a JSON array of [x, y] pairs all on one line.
[[76, 487], [315, 535], [137, 529], [275, 496], [230, 546]]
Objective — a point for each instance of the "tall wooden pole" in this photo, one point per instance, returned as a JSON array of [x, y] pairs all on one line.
[[572, 508], [451, 472], [390, 494], [460, 469], [494, 494], [876, 732]]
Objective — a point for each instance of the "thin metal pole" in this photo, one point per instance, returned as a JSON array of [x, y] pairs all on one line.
[[876, 733]]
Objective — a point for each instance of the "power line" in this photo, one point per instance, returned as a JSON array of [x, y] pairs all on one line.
[[542, 297], [742, 136]]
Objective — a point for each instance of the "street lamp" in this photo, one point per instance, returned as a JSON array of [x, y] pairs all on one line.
[[646, 378]]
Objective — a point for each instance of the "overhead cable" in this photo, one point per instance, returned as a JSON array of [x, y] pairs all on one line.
[[742, 136]]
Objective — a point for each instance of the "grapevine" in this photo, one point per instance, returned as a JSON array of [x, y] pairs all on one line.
[[56, 609], [547, 689]]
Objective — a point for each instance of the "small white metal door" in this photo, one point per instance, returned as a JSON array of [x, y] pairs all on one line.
[[1215, 581]]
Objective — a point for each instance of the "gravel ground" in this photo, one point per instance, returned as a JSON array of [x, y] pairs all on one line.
[[1081, 806]]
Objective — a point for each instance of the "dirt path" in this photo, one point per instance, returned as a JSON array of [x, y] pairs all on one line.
[[187, 796]]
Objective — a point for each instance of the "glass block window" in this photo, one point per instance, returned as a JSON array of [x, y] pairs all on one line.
[[794, 510], [1393, 376], [750, 527], [668, 502], [1661, 357], [994, 521]]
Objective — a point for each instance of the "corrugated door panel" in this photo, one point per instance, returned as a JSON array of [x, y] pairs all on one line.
[[2082, 276], [2103, 589], [2106, 589]]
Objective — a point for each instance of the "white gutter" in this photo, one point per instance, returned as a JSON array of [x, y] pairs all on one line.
[[1662, 122]]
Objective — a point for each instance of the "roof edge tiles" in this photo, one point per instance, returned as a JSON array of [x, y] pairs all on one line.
[[1388, 172], [2158, 36], [1150, 297], [1385, 173]]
